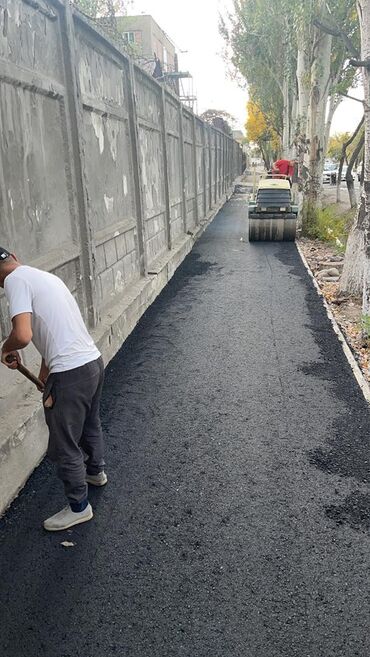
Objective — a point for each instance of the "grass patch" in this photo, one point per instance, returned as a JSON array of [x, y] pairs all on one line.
[[330, 225]]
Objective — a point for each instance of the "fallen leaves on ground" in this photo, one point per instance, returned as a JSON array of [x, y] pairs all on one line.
[[346, 310]]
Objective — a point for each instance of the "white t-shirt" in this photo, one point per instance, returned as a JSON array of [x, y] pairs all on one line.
[[59, 332]]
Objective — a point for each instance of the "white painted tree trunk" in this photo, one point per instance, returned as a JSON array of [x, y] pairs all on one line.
[[286, 118], [293, 123], [363, 8], [320, 87], [316, 120], [351, 281], [303, 81], [334, 102]]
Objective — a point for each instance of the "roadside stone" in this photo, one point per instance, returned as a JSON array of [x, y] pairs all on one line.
[[331, 263], [331, 273], [330, 279], [337, 258]]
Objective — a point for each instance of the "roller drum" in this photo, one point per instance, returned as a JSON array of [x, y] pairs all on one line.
[[272, 228]]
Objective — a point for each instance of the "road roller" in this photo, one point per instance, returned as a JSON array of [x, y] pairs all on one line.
[[272, 216]]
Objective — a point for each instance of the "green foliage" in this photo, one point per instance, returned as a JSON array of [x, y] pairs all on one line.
[[220, 119], [335, 144], [102, 8], [327, 225], [259, 48], [263, 39], [365, 326], [309, 219]]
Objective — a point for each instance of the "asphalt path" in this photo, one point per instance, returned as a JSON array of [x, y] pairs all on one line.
[[237, 516]]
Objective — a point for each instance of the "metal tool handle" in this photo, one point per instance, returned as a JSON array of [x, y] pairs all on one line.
[[23, 370]]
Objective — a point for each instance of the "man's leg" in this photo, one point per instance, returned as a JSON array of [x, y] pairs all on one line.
[[72, 393], [92, 434]]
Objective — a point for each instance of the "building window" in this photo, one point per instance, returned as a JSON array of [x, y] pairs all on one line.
[[129, 37]]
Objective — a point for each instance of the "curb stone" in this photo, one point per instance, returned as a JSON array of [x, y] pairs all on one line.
[[357, 372]]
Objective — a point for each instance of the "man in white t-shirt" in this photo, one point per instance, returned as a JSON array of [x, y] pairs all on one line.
[[43, 310]]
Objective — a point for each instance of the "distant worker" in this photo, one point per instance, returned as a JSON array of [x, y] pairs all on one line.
[[284, 168]]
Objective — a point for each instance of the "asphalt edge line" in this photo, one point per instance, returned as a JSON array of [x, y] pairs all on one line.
[[364, 385]]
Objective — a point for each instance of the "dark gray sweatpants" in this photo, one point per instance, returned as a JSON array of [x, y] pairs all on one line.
[[74, 425]]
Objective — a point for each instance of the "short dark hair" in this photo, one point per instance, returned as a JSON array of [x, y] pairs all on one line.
[[4, 254]]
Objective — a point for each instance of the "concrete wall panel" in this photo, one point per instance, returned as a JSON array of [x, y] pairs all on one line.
[[108, 170], [100, 78], [30, 39], [34, 175]]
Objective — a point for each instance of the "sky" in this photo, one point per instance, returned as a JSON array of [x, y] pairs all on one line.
[[193, 27]]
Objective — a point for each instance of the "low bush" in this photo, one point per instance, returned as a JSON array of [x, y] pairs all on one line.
[[328, 225]]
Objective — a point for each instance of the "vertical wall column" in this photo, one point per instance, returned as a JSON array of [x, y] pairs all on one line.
[[134, 130], [215, 139], [165, 170], [75, 120], [209, 167], [195, 170], [204, 170], [182, 168]]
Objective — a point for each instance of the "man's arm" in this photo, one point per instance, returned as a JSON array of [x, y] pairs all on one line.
[[44, 372], [19, 338]]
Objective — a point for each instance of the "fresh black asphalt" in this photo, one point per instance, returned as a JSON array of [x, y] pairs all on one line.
[[236, 521]]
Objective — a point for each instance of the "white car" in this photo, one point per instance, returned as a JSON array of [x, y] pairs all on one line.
[[329, 175]]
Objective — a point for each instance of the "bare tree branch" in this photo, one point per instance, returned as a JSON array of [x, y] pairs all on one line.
[[358, 100], [363, 63], [337, 32]]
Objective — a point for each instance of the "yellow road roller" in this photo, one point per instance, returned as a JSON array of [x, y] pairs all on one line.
[[272, 216]]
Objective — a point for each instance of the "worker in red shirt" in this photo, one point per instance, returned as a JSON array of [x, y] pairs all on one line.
[[284, 168]]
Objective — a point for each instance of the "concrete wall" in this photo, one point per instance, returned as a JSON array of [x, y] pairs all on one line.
[[105, 180]]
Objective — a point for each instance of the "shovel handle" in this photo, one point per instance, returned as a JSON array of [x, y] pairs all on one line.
[[23, 370]]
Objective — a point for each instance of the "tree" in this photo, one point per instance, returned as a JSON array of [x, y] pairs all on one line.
[[260, 132], [102, 8], [356, 271], [336, 143], [329, 76], [256, 48], [350, 151], [219, 119], [295, 60], [363, 8]]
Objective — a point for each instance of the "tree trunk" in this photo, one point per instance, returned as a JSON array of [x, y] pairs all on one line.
[[343, 156], [350, 181], [351, 281], [314, 159], [334, 102], [351, 191], [303, 75], [293, 121], [265, 156], [363, 8], [286, 118]]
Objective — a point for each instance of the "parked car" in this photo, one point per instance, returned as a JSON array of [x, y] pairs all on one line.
[[329, 174]]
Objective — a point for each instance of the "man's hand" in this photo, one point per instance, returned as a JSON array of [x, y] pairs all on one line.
[[11, 359]]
